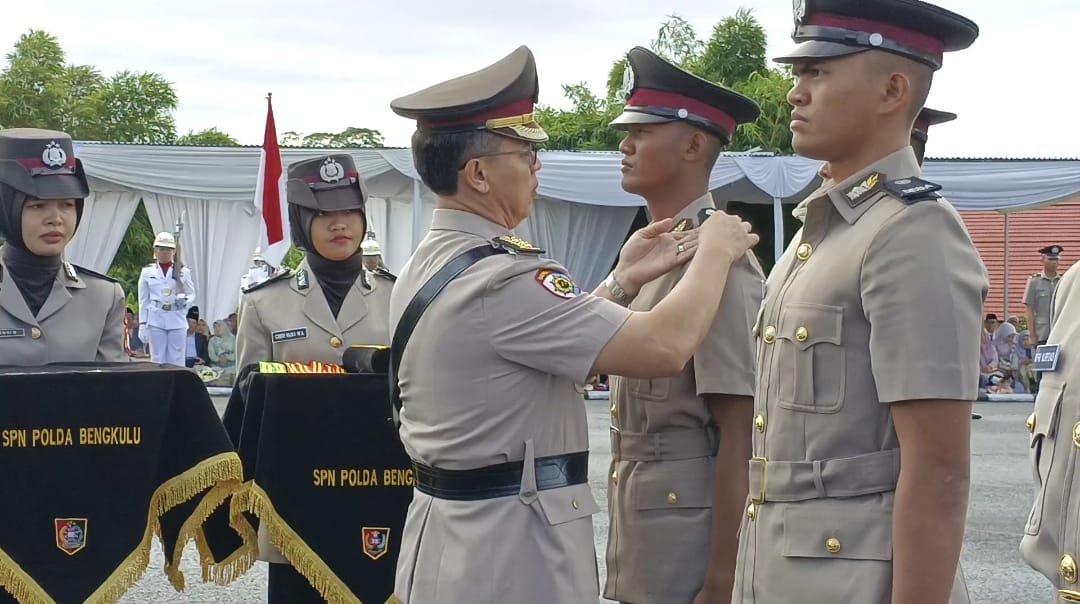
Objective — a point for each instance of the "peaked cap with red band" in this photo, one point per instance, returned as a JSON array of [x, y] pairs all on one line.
[[41, 164], [917, 30], [498, 98], [661, 92], [328, 183], [929, 117]]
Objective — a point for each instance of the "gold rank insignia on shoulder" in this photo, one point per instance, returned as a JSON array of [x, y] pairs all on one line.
[[516, 245], [862, 191], [686, 224], [911, 190]]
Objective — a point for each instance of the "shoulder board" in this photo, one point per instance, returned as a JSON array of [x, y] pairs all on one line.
[[385, 274], [516, 245], [912, 190], [82, 270], [281, 276]]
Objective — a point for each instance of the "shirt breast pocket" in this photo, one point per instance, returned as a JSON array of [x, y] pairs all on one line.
[[811, 358]]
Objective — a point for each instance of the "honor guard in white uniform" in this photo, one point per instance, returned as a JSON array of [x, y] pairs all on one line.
[[164, 299], [50, 310], [317, 311]]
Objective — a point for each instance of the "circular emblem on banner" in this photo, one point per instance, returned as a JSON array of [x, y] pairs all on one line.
[[54, 156], [331, 170], [799, 8]]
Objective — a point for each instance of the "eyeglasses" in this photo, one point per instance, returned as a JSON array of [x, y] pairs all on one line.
[[530, 154]]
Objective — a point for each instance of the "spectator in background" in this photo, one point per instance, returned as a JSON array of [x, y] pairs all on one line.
[[1025, 376], [222, 348], [196, 349], [133, 345], [988, 357], [232, 323]]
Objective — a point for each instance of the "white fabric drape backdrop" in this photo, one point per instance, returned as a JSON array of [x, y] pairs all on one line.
[[215, 245], [105, 218]]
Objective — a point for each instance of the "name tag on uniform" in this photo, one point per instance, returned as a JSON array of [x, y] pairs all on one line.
[[12, 333], [287, 335], [1046, 358]]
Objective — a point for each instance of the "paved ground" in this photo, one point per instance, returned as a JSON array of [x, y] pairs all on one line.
[[1000, 500]]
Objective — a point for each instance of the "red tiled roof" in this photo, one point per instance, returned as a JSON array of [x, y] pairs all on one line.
[[1028, 231]]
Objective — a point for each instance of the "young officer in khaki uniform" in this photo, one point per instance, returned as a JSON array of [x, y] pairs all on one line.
[[1039, 291], [317, 311], [50, 310], [1050, 544], [845, 385], [492, 379], [668, 476]]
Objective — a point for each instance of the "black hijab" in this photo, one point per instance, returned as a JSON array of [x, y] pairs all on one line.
[[336, 277]]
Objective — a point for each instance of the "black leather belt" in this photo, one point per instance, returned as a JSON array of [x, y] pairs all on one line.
[[500, 480]]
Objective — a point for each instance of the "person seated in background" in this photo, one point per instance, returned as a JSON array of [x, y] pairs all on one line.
[[222, 348], [1025, 375], [195, 352], [133, 345]]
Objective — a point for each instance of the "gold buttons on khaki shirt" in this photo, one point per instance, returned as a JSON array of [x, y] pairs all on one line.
[[574, 504], [804, 251], [336, 342], [614, 411], [759, 423], [832, 545], [769, 335], [1068, 569], [35, 333], [672, 498], [751, 511], [801, 334], [1076, 434], [615, 477], [1030, 423]]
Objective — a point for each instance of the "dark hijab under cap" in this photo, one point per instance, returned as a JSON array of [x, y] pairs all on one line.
[[335, 276]]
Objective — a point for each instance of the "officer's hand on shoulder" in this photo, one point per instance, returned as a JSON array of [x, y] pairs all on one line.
[[724, 235]]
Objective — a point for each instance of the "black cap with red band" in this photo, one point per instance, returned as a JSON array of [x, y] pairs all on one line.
[[660, 92], [917, 30], [929, 117], [329, 183], [42, 164]]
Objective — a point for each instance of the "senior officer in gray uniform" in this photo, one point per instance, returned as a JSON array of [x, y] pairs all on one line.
[[317, 311], [845, 386], [496, 429], [164, 300], [1039, 291], [668, 474], [50, 310], [1050, 543]]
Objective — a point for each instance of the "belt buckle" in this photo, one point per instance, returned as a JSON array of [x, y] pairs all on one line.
[[764, 466], [166, 306], [1068, 596]]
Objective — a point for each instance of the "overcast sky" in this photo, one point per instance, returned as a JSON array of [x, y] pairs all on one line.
[[335, 63]]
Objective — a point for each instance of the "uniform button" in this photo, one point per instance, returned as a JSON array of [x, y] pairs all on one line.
[[769, 335], [614, 411], [1030, 423], [832, 545], [574, 503], [751, 512], [759, 423], [801, 334], [1076, 434], [335, 342], [35, 333], [1068, 568], [615, 477], [672, 498], [804, 251]]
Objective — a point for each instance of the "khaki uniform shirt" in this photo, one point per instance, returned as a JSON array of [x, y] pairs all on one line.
[[1039, 293], [495, 372], [663, 444], [81, 320], [849, 311], [289, 320], [1051, 543]]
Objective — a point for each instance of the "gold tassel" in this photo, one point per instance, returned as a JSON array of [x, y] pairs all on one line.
[[193, 527], [221, 468], [237, 563], [331, 588], [20, 585]]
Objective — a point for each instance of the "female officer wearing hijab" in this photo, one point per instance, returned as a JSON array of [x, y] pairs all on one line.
[[50, 310], [317, 311]]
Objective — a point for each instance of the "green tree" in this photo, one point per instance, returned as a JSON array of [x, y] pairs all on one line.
[[734, 53], [349, 137], [37, 89], [211, 137]]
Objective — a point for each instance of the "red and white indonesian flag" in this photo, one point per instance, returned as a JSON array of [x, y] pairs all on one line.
[[270, 196]]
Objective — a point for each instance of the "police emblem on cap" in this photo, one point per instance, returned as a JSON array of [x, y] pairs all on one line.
[[54, 156], [798, 7], [331, 170], [627, 82]]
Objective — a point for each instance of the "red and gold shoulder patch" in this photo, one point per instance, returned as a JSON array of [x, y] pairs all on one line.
[[559, 284]]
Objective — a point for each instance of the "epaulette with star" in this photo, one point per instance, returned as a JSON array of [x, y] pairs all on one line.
[[516, 245], [82, 270], [385, 274], [913, 190], [280, 276]]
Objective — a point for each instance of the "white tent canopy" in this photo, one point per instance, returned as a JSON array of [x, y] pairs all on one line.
[[581, 216]]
